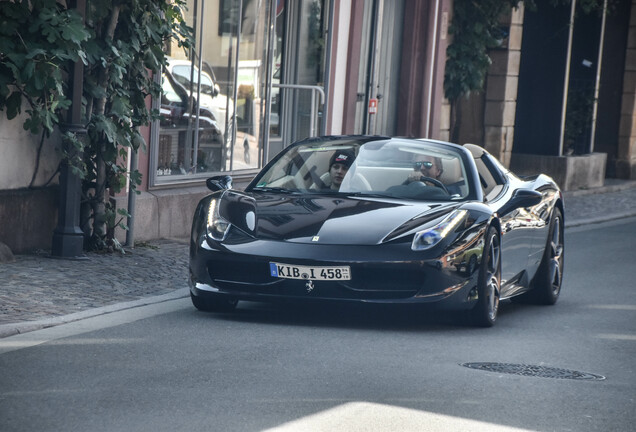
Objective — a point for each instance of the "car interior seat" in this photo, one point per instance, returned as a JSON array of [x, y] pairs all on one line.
[[452, 171]]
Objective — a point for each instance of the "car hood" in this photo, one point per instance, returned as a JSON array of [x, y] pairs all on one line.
[[327, 219]]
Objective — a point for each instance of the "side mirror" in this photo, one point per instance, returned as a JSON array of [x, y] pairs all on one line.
[[216, 90], [218, 183], [521, 198], [525, 198]]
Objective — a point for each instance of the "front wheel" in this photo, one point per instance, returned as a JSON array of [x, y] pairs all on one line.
[[213, 304], [484, 314]]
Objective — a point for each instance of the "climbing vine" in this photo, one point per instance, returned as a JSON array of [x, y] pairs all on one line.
[[121, 44], [475, 29]]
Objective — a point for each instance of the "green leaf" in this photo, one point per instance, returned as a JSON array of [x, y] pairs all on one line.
[[120, 107], [74, 31], [34, 53], [14, 105], [105, 126], [123, 212]]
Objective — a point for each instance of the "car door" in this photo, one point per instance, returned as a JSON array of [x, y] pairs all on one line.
[[517, 235]]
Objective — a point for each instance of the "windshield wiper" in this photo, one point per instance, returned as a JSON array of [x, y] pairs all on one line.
[[273, 189], [367, 194]]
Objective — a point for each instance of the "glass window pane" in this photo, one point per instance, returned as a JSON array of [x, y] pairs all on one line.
[[202, 93]]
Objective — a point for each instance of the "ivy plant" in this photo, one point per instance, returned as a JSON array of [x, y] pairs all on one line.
[[125, 49], [38, 39], [121, 44], [475, 29]]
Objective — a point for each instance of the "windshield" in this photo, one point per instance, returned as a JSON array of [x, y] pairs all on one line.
[[392, 168]]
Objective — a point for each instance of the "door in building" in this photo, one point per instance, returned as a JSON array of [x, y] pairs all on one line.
[[379, 68], [297, 102]]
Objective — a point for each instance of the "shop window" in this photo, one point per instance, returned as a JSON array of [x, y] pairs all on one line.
[[211, 105]]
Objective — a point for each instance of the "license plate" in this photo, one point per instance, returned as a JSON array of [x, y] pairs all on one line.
[[286, 271]]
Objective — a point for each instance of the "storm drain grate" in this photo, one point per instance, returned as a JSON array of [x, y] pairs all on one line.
[[534, 371]]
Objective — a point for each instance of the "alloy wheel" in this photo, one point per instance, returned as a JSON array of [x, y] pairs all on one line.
[[492, 277], [556, 256]]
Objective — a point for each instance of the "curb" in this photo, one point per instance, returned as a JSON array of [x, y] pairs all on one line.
[[600, 219], [609, 187], [13, 329]]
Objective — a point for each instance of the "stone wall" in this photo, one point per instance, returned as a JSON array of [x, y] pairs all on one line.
[[488, 119], [569, 172], [19, 155], [501, 90], [28, 218]]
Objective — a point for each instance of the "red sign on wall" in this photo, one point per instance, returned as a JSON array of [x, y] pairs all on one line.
[[373, 106]]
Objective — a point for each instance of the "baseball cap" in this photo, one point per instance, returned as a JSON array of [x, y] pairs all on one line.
[[344, 157]]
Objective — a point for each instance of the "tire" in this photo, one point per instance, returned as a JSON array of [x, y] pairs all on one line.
[[484, 314], [214, 304], [472, 265], [546, 285], [246, 151], [216, 162]]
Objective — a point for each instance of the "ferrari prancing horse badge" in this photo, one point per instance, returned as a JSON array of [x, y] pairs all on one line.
[[310, 286]]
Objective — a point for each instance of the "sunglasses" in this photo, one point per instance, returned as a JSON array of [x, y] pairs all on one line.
[[425, 164]]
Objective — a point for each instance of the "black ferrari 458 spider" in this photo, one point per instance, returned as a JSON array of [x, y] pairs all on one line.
[[377, 219]]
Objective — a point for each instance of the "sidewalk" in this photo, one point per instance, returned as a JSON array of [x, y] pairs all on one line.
[[37, 291]]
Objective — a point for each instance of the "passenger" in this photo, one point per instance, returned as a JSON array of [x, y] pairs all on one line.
[[339, 165]]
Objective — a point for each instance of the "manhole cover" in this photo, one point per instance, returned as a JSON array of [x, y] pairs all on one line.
[[535, 371]]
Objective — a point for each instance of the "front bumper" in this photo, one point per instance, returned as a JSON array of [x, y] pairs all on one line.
[[389, 273]]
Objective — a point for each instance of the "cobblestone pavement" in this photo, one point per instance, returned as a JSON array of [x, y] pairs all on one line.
[[617, 199], [36, 288]]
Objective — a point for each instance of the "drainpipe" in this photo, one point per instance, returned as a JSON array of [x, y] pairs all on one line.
[[372, 65], [194, 162], [68, 238], [132, 196], [431, 72], [566, 84], [269, 59], [597, 85], [232, 119]]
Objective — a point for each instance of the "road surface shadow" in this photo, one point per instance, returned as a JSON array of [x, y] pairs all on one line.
[[354, 315]]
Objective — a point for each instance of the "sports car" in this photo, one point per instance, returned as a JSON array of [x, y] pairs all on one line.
[[380, 219]]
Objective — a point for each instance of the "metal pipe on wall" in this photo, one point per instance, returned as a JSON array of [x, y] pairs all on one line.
[[566, 84], [264, 132], [597, 84], [431, 72], [195, 143], [372, 66], [132, 198], [232, 120]]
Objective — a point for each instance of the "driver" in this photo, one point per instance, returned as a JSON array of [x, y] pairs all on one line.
[[429, 166]]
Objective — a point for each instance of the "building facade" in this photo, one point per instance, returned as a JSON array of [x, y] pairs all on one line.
[[266, 73]]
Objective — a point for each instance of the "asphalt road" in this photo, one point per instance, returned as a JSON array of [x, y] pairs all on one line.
[[167, 367]]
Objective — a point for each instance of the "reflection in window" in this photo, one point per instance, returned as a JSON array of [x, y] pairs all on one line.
[[223, 75]]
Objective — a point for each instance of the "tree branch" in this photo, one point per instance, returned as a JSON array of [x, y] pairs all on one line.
[[37, 160]]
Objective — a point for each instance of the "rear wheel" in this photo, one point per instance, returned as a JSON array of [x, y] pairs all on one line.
[[546, 285], [217, 303], [484, 314]]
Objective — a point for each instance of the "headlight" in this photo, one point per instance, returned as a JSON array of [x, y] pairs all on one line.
[[217, 226], [429, 237]]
